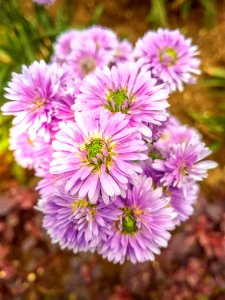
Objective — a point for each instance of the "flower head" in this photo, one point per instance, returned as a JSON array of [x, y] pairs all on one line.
[[170, 57], [183, 199], [142, 224], [33, 96], [43, 2], [65, 44], [184, 162], [96, 156], [75, 223], [126, 90], [29, 153]]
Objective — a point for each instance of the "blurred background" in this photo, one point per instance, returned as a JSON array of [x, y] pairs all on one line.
[[193, 266]]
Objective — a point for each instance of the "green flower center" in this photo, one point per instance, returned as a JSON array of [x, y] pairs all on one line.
[[118, 101], [98, 151], [129, 224], [94, 148], [168, 56]]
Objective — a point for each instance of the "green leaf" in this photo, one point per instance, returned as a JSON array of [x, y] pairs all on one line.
[[158, 13]]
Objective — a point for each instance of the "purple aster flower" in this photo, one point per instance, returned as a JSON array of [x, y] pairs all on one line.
[[49, 185], [170, 57], [142, 224], [85, 59], [33, 96], [175, 133], [81, 52], [65, 44], [124, 52], [43, 2], [75, 223], [103, 38], [183, 199], [67, 99], [127, 90], [28, 153], [97, 156], [184, 162]]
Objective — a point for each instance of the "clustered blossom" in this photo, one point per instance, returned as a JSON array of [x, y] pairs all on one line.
[[169, 56], [118, 172], [44, 2]]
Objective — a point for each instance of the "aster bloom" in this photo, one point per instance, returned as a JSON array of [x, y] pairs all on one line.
[[170, 57], [75, 223], [65, 44], [103, 38], [43, 2], [33, 94], [81, 52], [175, 133], [66, 100], [96, 157], [85, 59], [183, 199], [184, 162], [28, 153], [124, 52], [126, 90], [142, 224]]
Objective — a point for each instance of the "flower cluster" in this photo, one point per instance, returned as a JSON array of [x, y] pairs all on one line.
[[118, 172]]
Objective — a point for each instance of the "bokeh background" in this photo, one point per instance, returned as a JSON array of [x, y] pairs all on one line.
[[193, 266]]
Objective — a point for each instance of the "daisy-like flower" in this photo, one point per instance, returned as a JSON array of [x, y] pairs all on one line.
[[184, 162], [75, 223], [44, 2], [127, 90], [103, 38], [28, 153], [142, 224], [96, 157], [124, 52], [85, 59], [170, 57], [175, 133], [65, 44], [183, 199], [81, 52], [33, 96]]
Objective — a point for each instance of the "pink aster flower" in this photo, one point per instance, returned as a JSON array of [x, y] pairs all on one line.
[[65, 44], [103, 38], [43, 2], [183, 199], [28, 153], [33, 96], [124, 52], [184, 162], [170, 57], [85, 59], [96, 157], [126, 90], [176, 133], [75, 223], [142, 224]]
